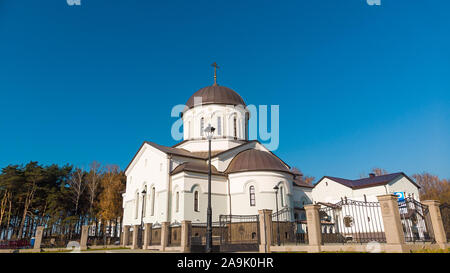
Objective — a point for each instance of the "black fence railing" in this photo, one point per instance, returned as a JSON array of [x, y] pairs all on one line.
[[174, 234], [445, 214], [239, 233], [416, 221], [350, 221], [286, 230], [16, 244]]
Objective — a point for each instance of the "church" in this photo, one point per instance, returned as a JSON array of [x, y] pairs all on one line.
[[170, 184]]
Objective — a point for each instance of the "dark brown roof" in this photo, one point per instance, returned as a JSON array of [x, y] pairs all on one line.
[[216, 94], [196, 167], [205, 155], [174, 151], [256, 160], [369, 181]]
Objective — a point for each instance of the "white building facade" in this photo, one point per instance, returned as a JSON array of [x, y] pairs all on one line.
[[333, 189]]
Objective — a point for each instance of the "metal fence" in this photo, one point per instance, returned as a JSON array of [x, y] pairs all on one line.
[[197, 236], [239, 233], [15, 244], [416, 221], [445, 214], [106, 237], [174, 234], [155, 236], [350, 221], [58, 235], [288, 230]]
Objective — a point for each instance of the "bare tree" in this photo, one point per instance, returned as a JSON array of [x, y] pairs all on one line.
[[433, 188], [299, 176], [377, 171], [93, 183], [77, 184]]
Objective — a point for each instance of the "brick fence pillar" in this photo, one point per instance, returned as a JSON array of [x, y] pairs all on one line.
[[395, 238], [147, 234], [185, 236], [313, 226], [265, 230], [134, 244], [38, 237], [164, 235], [436, 222], [84, 237], [126, 236]]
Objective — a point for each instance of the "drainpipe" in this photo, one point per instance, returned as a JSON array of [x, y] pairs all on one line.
[[169, 186]]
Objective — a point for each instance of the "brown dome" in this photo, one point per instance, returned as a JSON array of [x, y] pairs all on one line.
[[216, 94], [256, 160]]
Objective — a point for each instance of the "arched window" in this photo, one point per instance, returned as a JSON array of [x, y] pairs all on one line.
[[202, 126], [136, 213], [177, 202], [252, 196], [235, 127], [219, 126], [153, 201], [282, 196], [196, 201], [144, 202]]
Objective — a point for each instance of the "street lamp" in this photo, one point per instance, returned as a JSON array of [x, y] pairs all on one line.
[[209, 131], [142, 216], [278, 222]]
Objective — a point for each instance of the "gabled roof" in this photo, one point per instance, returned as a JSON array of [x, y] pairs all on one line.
[[167, 150], [369, 181]]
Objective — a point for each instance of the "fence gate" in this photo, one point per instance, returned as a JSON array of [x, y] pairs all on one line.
[[445, 214], [286, 230], [350, 221], [416, 221], [239, 233]]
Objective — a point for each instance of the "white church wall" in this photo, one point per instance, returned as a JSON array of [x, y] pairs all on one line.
[[210, 113], [217, 144], [264, 194], [187, 183], [149, 168]]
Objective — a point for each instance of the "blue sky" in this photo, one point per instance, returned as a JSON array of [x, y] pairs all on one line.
[[358, 86]]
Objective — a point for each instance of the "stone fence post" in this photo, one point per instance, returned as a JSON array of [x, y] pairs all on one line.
[[38, 237], [164, 235], [134, 244], [265, 230], [185, 236], [313, 226], [147, 235], [84, 237], [436, 222], [126, 236], [395, 239]]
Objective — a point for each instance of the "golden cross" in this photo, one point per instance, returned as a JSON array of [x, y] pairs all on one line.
[[215, 72]]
